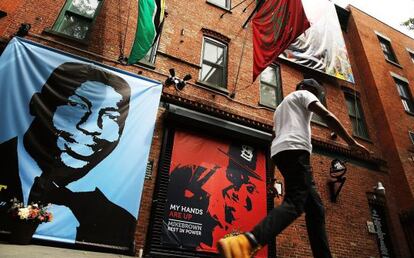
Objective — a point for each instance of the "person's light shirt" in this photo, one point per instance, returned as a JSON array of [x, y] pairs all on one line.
[[292, 123]]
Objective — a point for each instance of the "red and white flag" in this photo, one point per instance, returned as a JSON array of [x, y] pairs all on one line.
[[275, 26]]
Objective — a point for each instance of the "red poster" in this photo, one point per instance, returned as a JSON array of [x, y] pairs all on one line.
[[216, 187]]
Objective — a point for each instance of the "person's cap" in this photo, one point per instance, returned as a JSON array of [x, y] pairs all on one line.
[[314, 84]]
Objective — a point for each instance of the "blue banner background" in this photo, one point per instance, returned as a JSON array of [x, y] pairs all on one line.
[[24, 68]]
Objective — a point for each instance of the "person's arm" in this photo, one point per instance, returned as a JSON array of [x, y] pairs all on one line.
[[332, 121]]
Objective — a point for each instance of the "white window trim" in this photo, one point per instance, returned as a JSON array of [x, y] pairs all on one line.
[[276, 67], [411, 54], [382, 36], [399, 77], [224, 7], [225, 46]]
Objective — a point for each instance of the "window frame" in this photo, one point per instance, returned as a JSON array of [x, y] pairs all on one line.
[[411, 135], [217, 43], [316, 118], [388, 52], [227, 4], [64, 10], [408, 100], [278, 87], [411, 54], [356, 101], [153, 54]]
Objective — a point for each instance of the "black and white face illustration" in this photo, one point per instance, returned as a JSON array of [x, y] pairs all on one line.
[[86, 123], [79, 117]]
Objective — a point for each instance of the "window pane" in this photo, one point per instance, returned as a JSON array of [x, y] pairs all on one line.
[[362, 131], [356, 116], [267, 95], [74, 26], [148, 56], [411, 136], [405, 95], [268, 76], [358, 112], [405, 104], [85, 8], [213, 67], [212, 75], [387, 49], [408, 106], [222, 3], [354, 125], [400, 89], [316, 118], [384, 47], [213, 53], [350, 103], [151, 54]]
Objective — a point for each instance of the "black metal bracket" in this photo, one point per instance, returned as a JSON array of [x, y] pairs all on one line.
[[335, 188], [23, 30], [337, 180]]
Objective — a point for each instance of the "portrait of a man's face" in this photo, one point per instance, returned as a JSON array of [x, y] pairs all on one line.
[[86, 123], [79, 116], [75, 134]]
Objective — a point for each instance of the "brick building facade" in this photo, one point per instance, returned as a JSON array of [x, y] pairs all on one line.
[[381, 85]]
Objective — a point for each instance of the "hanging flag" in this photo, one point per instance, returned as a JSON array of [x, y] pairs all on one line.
[[150, 18], [322, 47], [276, 24]]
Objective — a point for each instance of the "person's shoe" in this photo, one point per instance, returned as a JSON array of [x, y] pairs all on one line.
[[235, 247]]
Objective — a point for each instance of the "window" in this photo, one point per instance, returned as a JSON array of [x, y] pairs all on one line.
[[270, 87], [405, 95], [411, 134], [316, 118], [149, 58], [77, 17], [412, 56], [222, 3], [214, 63], [387, 49], [356, 115]]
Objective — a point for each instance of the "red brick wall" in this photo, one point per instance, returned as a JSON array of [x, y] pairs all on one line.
[[146, 199], [392, 121], [182, 39], [10, 7]]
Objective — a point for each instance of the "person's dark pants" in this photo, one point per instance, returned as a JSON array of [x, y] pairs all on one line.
[[301, 196]]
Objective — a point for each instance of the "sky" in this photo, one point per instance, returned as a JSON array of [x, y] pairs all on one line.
[[391, 12]]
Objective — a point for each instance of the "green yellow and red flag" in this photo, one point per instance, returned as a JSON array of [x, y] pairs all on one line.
[[150, 18]]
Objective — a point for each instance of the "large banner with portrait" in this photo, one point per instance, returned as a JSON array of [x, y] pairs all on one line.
[[216, 187], [322, 46], [77, 135]]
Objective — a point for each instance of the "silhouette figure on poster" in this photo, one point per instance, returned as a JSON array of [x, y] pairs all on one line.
[[186, 189], [79, 116]]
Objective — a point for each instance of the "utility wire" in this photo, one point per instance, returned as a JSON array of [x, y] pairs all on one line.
[[234, 7], [240, 62], [125, 32]]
